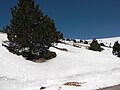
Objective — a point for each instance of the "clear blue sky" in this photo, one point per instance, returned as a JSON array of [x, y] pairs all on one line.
[[76, 18]]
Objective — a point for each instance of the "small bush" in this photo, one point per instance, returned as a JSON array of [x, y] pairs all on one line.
[[116, 49], [74, 41], [110, 46], [42, 88], [102, 44], [95, 46], [81, 41], [85, 42], [68, 39]]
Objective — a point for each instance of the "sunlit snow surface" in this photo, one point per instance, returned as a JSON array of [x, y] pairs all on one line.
[[94, 69]]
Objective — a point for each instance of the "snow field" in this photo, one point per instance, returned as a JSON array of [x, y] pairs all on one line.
[[93, 69]]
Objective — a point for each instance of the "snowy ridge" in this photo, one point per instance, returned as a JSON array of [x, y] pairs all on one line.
[[93, 69], [109, 41]]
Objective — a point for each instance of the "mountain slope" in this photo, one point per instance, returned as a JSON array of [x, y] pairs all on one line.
[[93, 69]]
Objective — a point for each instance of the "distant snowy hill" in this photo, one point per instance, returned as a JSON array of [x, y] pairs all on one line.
[[90, 69], [109, 41]]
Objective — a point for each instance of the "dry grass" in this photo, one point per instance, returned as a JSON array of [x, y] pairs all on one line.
[[77, 84]]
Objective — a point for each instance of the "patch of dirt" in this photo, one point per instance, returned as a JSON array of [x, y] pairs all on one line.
[[77, 84]]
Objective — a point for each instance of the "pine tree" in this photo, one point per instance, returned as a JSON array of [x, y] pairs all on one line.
[[116, 49], [31, 29], [95, 46]]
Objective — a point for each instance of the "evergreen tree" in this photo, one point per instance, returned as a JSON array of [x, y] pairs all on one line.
[[116, 49], [31, 29], [95, 46]]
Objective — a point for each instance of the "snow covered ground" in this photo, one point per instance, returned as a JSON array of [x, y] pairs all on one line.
[[92, 69]]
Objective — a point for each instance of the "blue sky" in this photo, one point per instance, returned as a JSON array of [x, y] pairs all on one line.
[[76, 18]]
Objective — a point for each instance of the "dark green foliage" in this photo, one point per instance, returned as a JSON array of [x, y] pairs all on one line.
[[102, 44], [68, 39], [116, 49], [81, 41], [31, 29], [49, 55], [74, 41], [85, 42], [63, 39], [95, 46]]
